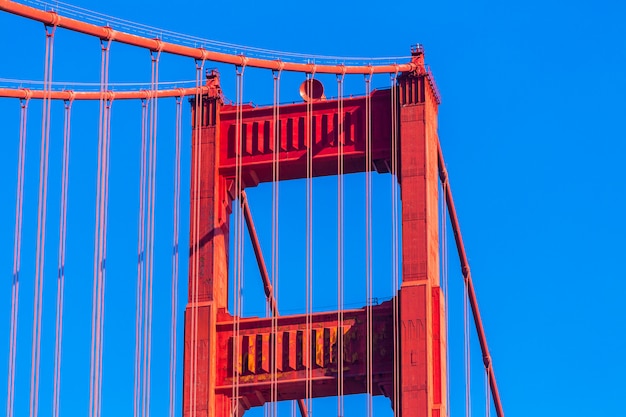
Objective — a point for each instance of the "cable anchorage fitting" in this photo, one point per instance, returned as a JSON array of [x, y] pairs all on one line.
[[109, 96], [277, 72], [281, 66], [51, 27], [443, 176], [70, 98], [109, 34], [466, 273], [27, 95], [159, 46], [487, 362]]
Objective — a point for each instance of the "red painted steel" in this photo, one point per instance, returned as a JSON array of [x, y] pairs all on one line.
[[422, 344], [256, 247], [267, 286], [97, 95], [467, 276], [255, 362], [108, 33], [257, 143], [422, 317], [208, 250]]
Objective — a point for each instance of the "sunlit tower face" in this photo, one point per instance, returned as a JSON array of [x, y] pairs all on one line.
[[241, 148]]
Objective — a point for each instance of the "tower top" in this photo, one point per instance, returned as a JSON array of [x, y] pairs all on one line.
[[417, 49]]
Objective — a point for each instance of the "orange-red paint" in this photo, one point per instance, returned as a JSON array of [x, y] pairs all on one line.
[[422, 317]]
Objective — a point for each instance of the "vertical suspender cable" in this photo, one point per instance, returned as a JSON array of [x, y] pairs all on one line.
[[105, 222], [442, 260], [61, 270], [368, 240], [179, 117], [238, 237], [97, 317], [309, 243], [96, 267], [466, 346], [150, 209], [394, 242], [17, 249], [340, 247], [443, 249], [275, 230], [444, 269], [195, 236], [467, 278], [140, 261], [41, 223], [487, 394]]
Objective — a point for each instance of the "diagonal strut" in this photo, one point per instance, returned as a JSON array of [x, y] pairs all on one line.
[[267, 286]]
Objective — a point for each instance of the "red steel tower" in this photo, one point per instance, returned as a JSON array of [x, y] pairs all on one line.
[[209, 339]]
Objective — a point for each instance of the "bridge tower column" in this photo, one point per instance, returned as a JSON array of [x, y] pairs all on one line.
[[208, 376], [422, 316], [208, 260]]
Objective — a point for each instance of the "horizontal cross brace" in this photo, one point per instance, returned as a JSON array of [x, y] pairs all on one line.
[[298, 350]]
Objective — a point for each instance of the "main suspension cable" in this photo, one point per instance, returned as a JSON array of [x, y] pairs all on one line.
[[136, 28], [467, 278]]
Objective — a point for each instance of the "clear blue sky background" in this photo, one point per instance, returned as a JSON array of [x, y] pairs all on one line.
[[531, 124]]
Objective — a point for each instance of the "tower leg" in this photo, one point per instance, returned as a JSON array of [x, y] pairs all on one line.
[[208, 262], [422, 317]]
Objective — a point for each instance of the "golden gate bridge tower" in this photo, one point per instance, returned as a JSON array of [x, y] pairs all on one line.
[[232, 362], [408, 367]]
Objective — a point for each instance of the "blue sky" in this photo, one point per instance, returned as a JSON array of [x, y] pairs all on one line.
[[532, 133]]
